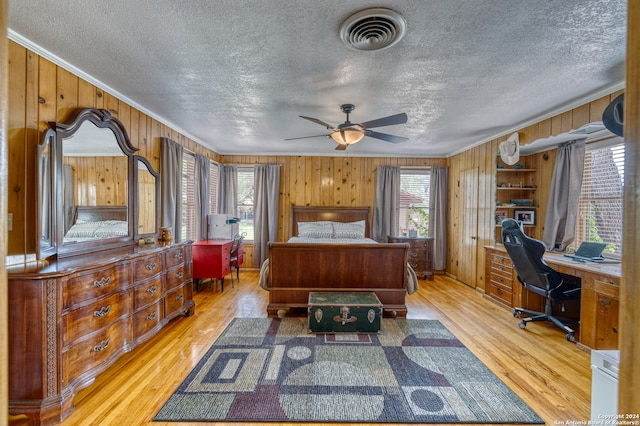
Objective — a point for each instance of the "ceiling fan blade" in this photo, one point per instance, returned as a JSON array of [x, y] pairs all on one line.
[[386, 121], [341, 147], [306, 137], [320, 122], [386, 137]]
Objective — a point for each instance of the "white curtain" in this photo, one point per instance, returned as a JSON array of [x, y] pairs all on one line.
[[438, 211], [171, 186], [202, 195], [566, 184], [228, 190], [386, 203], [267, 199]]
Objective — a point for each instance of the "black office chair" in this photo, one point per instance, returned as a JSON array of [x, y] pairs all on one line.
[[538, 277]]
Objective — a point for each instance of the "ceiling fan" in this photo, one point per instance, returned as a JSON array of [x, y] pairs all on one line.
[[348, 133]]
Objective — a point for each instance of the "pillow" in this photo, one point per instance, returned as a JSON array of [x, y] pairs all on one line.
[[315, 230], [349, 229]]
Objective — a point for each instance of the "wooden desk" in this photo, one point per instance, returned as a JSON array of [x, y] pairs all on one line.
[[211, 260], [599, 299]]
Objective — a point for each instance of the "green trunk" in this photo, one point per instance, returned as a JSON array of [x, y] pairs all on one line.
[[344, 312]]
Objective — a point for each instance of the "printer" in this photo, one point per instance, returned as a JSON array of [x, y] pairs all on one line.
[[222, 227]]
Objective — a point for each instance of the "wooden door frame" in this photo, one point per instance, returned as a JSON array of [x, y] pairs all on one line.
[[4, 162]]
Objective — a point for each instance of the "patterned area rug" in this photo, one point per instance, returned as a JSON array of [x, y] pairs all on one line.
[[413, 371]]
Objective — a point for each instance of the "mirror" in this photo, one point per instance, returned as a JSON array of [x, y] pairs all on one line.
[[45, 217], [147, 181], [93, 195]]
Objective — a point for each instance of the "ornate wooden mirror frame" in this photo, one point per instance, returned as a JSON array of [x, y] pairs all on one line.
[[55, 215]]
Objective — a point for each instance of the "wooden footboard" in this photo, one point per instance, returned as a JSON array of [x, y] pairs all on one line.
[[295, 269]]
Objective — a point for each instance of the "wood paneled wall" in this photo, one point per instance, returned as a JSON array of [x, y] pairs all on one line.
[[41, 91], [99, 181], [484, 158], [324, 181]]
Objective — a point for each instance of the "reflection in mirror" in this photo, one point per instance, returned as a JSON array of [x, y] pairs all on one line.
[[94, 185], [148, 186], [46, 222]]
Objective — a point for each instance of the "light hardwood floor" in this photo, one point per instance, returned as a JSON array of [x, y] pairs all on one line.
[[549, 373]]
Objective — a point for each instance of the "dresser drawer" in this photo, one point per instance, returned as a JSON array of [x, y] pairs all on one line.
[[147, 267], [501, 280], [95, 316], [147, 292], [500, 294], [90, 353], [499, 259], [502, 268], [175, 299], [175, 256], [147, 319], [95, 283], [176, 276], [416, 254], [420, 267]]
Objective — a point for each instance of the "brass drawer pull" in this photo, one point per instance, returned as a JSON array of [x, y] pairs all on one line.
[[152, 289], [102, 282], [102, 312], [179, 275], [151, 266], [102, 346], [178, 255], [180, 297], [151, 316]]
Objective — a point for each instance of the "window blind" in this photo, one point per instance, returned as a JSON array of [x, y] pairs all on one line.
[[246, 191], [601, 201], [414, 201], [213, 188], [188, 225]]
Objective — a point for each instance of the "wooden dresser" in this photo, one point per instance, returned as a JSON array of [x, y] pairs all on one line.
[[420, 254], [72, 318]]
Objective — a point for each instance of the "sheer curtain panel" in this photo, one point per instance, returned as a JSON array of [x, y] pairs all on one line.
[[202, 195], [228, 194], [438, 216], [267, 199], [171, 185], [386, 203], [564, 194]]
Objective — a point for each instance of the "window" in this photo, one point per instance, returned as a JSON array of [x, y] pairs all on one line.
[[246, 190], [601, 200], [213, 188], [414, 202], [188, 224]]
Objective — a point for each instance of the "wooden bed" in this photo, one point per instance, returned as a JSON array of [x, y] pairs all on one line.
[[295, 269], [97, 223]]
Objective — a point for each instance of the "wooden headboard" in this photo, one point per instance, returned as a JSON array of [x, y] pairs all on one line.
[[334, 214], [100, 213]]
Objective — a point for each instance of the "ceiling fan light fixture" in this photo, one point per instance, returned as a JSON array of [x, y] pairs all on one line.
[[347, 137]]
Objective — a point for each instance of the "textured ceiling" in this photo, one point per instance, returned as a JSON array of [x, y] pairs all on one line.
[[235, 75]]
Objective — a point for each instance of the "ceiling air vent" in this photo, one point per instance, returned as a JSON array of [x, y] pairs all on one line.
[[372, 29]]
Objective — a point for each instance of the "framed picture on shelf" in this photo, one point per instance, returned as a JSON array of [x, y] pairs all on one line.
[[500, 216], [527, 217]]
